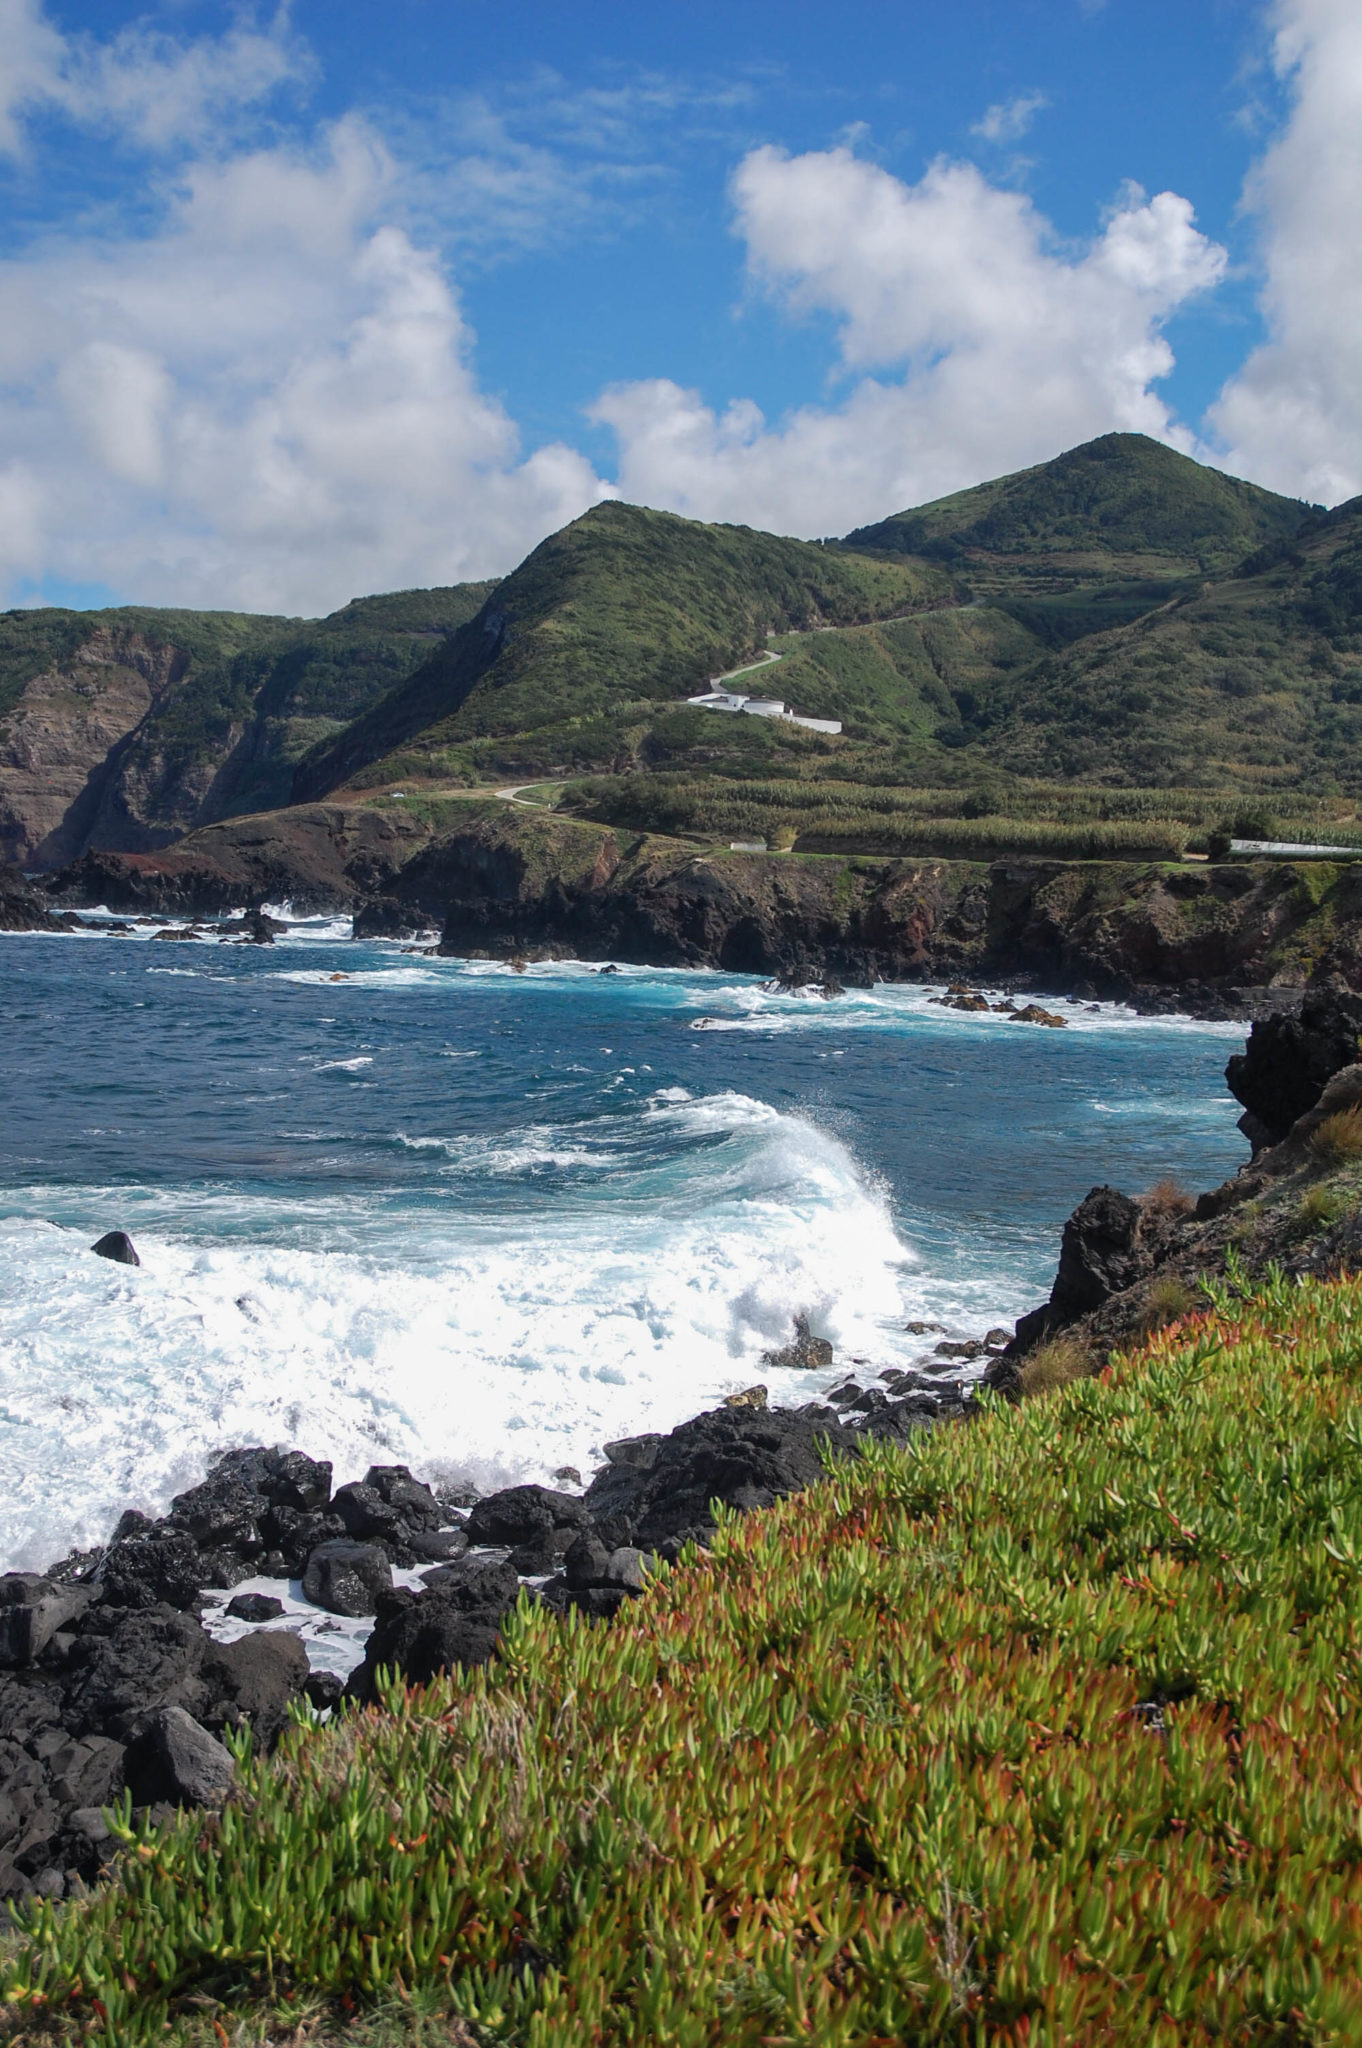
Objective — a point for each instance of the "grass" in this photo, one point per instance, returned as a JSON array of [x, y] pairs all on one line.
[[1040, 1731], [1337, 1140], [1320, 1208], [1056, 1364]]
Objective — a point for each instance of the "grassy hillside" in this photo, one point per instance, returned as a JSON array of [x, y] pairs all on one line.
[[621, 606], [1120, 618], [1124, 497], [1097, 619], [1254, 679], [1042, 1730]]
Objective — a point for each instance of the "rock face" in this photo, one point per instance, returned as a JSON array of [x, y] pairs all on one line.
[[1282, 1071], [515, 883], [745, 1457], [24, 908]]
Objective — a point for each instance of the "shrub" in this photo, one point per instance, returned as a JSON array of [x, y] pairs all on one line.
[[1167, 1300], [1169, 1198], [1056, 1364], [1338, 1138], [1318, 1208]]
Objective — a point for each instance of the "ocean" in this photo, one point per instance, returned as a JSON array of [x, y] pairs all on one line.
[[392, 1208]]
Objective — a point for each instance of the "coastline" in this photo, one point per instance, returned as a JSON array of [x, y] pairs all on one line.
[[1222, 940]]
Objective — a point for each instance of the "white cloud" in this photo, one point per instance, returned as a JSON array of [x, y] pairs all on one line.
[[1292, 417], [269, 403], [1008, 347], [150, 87], [1008, 120]]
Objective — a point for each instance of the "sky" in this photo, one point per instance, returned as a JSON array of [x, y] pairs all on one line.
[[299, 302]]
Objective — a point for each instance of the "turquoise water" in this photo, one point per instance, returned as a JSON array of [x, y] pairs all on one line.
[[392, 1207]]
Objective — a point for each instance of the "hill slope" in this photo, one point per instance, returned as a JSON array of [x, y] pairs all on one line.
[[1253, 681], [125, 728], [625, 605]]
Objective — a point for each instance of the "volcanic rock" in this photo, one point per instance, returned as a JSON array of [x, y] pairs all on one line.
[[118, 1246], [178, 1761], [1282, 1070], [519, 1514], [804, 1353], [347, 1578]]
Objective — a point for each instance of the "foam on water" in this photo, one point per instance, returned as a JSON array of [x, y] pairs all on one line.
[[490, 1348], [439, 1212]]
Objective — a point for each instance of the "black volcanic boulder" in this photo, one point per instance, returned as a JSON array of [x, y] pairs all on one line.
[[125, 1665], [253, 1682], [118, 1246], [220, 1514], [164, 1567], [523, 1515], [1283, 1069], [410, 1498], [745, 1457], [347, 1578], [456, 1621], [177, 1761], [366, 1515]]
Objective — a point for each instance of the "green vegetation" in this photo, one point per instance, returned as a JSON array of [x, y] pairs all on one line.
[[842, 818], [1040, 1731], [621, 605], [1121, 495], [1120, 623]]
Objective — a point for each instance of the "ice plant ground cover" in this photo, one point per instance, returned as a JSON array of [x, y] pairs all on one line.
[[1043, 1730]]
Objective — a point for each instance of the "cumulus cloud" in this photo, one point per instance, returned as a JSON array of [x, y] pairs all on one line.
[[1292, 417], [1008, 120], [268, 403], [152, 87], [1007, 346]]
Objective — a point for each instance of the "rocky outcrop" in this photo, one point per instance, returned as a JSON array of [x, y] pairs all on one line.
[[1129, 1265], [1283, 1069], [323, 857], [24, 908], [1218, 940]]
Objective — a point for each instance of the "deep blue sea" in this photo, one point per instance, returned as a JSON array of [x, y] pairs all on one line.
[[398, 1208]]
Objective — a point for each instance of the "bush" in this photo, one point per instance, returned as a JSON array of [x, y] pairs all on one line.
[[1167, 1300], [1338, 1138], [1168, 1198], [1056, 1364], [1319, 1208]]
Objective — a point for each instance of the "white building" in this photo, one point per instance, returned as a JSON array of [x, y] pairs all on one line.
[[761, 707]]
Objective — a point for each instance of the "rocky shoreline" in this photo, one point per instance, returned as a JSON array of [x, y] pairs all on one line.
[[114, 1682], [118, 1679], [1221, 939]]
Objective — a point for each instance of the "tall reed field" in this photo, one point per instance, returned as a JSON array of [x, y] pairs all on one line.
[[973, 822], [1045, 1729]]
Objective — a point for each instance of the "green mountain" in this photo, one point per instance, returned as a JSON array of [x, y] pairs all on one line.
[[1250, 681], [1117, 636], [624, 613], [128, 727]]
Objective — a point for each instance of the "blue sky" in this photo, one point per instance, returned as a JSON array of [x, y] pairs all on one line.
[[299, 302]]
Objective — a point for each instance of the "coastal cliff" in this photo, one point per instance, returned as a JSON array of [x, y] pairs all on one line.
[[1227, 937]]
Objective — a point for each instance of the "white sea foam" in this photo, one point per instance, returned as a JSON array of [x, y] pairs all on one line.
[[483, 1343]]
